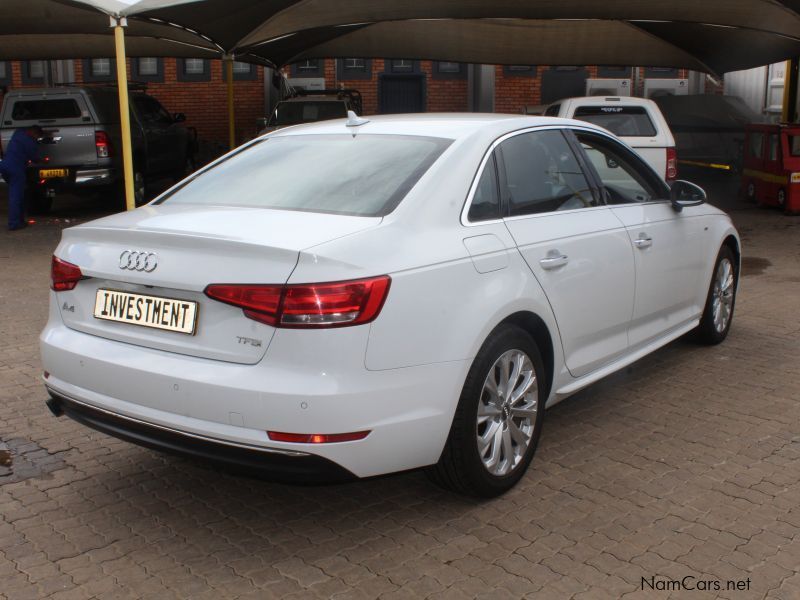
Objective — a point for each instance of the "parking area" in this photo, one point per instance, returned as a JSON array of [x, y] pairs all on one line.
[[683, 468]]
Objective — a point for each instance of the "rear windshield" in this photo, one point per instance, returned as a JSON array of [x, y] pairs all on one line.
[[362, 175], [45, 110], [624, 121], [294, 113]]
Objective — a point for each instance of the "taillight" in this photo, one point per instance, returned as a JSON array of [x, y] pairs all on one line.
[[64, 276], [307, 305], [102, 143], [672, 164]]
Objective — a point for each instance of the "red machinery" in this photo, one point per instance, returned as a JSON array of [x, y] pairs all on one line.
[[771, 174]]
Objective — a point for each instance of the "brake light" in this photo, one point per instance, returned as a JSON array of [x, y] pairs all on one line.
[[64, 276], [672, 164], [103, 144], [316, 438], [307, 305]]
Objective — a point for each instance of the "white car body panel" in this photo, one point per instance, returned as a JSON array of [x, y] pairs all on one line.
[[399, 377]]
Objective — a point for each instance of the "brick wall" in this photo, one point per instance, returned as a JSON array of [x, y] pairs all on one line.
[[203, 102]]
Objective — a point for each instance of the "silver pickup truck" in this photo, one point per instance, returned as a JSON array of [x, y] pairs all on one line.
[[80, 148]]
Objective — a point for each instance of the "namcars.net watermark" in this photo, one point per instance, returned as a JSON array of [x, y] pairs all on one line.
[[691, 583]]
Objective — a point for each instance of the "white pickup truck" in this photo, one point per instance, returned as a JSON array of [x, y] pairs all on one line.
[[637, 121]]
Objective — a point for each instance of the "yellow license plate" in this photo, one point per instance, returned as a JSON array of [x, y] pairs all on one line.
[[53, 173], [169, 314]]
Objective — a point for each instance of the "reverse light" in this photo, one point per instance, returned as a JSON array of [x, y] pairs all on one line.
[[308, 305], [102, 143], [64, 276], [316, 438], [672, 164]]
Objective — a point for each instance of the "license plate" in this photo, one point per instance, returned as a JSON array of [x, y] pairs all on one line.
[[53, 173], [169, 314]]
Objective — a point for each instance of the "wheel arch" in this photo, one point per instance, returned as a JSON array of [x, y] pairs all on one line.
[[534, 325], [731, 242]]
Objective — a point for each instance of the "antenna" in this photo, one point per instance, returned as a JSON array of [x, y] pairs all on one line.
[[353, 120]]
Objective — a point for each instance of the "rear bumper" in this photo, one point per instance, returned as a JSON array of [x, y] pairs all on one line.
[[278, 464], [305, 384]]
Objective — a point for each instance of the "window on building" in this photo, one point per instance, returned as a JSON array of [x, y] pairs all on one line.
[[148, 66], [520, 70], [148, 69], [661, 72], [614, 72], [100, 67], [402, 65], [194, 66], [449, 70], [194, 69], [36, 69], [354, 68], [240, 68], [543, 174], [354, 64], [308, 65]]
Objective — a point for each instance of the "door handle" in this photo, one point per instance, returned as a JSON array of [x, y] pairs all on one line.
[[643, 242], [553, 260]]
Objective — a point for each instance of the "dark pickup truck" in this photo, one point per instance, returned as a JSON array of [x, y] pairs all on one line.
[[81, 148]]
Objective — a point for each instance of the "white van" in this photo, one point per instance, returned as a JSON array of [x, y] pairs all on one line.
[[637, 121]]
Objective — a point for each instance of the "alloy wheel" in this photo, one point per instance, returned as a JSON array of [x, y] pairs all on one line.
[[507, 412], [722, 298]]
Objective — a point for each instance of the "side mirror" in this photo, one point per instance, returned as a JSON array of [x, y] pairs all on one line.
[[261, 123], [179, 117], [685, 193]]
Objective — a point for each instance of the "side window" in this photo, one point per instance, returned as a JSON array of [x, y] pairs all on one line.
[[543, 174], [486, 201], [774, 142], [624, 176], [552, 110], [151, 111], [756, 145]]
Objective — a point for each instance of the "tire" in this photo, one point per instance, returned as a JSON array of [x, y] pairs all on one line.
[[139, 190], [750, 192], [782, 198], [461, 466], [714, 327]]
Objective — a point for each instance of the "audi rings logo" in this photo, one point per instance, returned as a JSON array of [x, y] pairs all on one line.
[[144, 262]]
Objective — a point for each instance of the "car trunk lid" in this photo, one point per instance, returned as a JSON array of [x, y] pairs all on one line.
[[193, 247]]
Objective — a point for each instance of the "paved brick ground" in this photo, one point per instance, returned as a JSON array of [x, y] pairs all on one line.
[[687, 464]]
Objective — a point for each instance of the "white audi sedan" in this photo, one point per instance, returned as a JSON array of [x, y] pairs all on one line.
[[352, 298]]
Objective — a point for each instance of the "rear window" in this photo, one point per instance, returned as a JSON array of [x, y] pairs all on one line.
[[45, 110], [362, 175], [294, 113], [624, 121]]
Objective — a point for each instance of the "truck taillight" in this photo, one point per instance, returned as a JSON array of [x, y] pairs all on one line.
[[102, 143], [308, 305], [672, 164], [64, 276]]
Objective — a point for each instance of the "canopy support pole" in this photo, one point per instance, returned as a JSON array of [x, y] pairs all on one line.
[[119, 25], [227, 61], [790, 91]]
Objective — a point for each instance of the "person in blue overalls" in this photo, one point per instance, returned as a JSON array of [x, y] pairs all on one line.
[[23, 148]]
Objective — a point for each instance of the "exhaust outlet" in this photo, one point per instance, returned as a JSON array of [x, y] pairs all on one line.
[[55, 407]]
